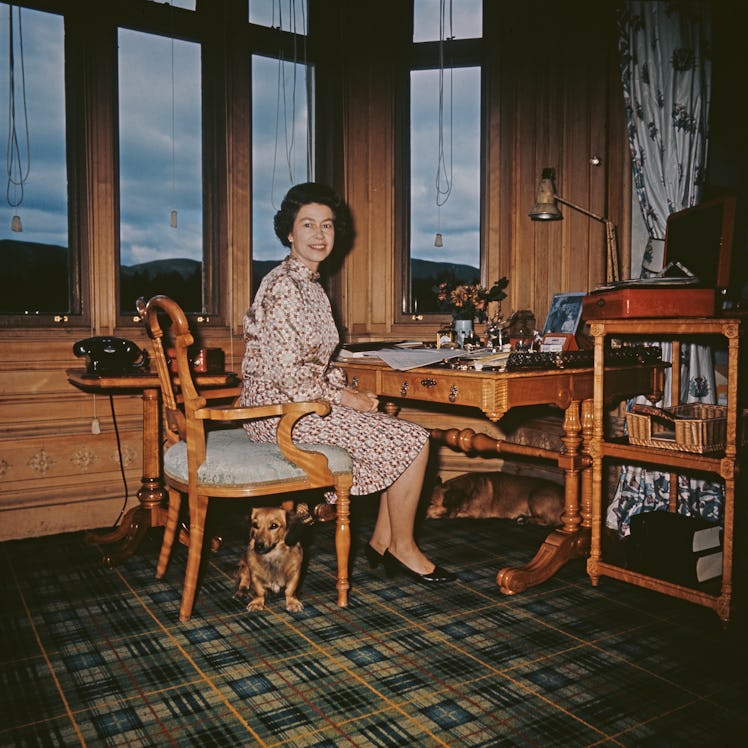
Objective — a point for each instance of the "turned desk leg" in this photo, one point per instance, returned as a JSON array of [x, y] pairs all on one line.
[[128, 535], [572, 539]]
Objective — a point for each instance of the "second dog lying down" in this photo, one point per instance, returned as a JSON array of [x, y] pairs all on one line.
[[272, 560], [498, 495]]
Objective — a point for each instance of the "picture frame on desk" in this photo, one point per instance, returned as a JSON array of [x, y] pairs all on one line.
[[562, 323], [564, 314]]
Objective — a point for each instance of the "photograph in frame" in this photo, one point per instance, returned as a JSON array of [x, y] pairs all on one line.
[[564, 313]]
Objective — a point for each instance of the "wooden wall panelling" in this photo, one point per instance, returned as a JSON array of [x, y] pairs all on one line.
[[101, 210], [369, 164], [50, 462]]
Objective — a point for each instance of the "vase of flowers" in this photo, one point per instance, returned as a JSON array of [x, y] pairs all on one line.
[[468, 303]]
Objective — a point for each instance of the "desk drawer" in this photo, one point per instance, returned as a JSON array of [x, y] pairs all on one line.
[[362, 379], [432, 387]]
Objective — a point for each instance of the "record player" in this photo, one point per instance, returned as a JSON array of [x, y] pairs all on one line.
[[698, 256]]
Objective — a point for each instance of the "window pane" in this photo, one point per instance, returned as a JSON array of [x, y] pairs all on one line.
[[281, 150], [464, 22], [455, 164], [286, 15], [35, 277], [160, 170]]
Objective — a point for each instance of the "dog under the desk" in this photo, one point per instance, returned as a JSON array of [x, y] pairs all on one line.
[[498, 495]]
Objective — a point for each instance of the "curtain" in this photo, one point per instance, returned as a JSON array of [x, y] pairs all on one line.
[[666, 75]]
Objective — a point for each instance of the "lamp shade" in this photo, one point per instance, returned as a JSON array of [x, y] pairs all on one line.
[[545, 208]]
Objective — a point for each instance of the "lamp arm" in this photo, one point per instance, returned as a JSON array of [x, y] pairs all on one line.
[[613, 269], [579, 208]]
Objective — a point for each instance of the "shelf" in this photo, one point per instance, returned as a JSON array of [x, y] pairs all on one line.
[[710, 463], [603, 562], [707, 595]]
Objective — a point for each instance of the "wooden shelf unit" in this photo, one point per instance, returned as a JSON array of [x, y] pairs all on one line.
[[716, 594]]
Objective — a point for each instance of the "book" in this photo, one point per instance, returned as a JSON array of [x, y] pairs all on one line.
[[676, 548], [708, 566]]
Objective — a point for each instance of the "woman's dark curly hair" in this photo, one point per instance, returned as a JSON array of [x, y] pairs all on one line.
[[304, 194]]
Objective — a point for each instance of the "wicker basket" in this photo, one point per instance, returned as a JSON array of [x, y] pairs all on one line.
[[698, 428]]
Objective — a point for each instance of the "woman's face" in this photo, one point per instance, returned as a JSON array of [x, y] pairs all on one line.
[[313, 234]]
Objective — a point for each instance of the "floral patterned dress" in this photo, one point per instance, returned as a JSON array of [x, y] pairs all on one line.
[[290, 337]]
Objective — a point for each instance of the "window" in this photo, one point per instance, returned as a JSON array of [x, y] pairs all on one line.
[[445, 180], [37, 280], [161, 182], [443, 191], [286, 15], [281, 150], [462, 19]]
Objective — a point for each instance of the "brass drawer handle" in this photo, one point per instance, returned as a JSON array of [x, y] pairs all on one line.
[[404, 388], [428, 383], [453, 390]]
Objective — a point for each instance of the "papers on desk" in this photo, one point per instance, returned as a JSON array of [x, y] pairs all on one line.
[[372, 350], [411, 355], [404, 359]]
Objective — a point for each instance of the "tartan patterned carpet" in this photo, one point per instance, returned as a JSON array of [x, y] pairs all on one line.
[[95, 656]]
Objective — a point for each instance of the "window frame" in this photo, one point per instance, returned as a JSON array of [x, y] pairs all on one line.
[[78, 314], [425, 56], [190, 26], [92, 137]]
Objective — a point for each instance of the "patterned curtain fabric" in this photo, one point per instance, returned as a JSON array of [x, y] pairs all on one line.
[[666, 74]]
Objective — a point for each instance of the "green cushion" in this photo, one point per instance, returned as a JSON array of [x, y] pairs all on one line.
[[232, 459]]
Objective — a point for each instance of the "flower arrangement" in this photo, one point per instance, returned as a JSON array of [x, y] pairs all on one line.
[[469, 301]]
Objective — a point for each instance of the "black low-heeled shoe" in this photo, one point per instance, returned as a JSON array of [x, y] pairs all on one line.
[[438, 575], [373, 556]]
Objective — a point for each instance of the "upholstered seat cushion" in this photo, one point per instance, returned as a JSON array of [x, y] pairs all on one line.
[[233, 459]]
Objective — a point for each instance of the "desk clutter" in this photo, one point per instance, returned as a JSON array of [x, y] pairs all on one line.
[[411, 355]]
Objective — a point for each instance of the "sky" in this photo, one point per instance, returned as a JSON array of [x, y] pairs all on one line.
[[160, 140]]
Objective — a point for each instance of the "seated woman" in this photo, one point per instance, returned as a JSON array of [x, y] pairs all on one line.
[[290, 337]]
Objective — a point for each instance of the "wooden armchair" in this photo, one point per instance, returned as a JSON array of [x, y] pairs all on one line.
[[224, 463]]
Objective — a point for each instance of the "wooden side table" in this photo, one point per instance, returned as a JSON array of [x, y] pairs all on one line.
[[121, 542]]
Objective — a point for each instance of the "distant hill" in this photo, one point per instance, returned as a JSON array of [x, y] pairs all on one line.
[[38, 273], [420, 269], [155, 268], [35, 278]]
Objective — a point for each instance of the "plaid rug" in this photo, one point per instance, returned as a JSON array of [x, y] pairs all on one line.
[[96, 656]]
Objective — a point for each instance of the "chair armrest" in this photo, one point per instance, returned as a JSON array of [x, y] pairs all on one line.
[[314, 464], [249, 413]]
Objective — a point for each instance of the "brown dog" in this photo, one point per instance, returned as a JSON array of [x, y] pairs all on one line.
[[498, 495], [273, 558]]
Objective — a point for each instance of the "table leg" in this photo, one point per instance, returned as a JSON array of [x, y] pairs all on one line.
[[150, 511], [572, 539]]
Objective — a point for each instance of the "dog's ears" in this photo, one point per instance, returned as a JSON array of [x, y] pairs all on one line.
[[296, 526]]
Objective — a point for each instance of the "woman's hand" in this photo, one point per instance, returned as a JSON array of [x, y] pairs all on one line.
[[366, 402]]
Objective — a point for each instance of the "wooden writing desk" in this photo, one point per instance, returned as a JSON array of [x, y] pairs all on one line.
[[495, 393], [150, 511]]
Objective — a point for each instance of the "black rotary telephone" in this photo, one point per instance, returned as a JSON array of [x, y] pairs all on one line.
[[109, 355]]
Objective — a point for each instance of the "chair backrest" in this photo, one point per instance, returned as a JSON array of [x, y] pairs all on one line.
[[185, 409], [179, 391]]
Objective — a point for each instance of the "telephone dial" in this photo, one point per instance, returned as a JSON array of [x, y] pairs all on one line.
[[109, 355]]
